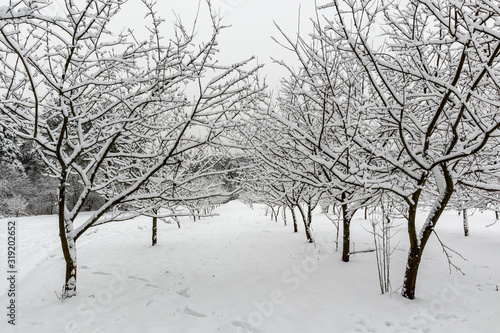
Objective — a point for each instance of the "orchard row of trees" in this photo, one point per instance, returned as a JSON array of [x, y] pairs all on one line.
[[145, 125], [138, 120], [414, 119]]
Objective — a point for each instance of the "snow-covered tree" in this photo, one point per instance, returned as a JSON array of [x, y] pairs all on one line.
[[10, 154], [434, 109], [14, 184], [112, 109], [279, 175], [15, 205], [320, 108]]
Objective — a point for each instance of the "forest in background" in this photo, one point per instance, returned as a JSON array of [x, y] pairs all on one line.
[[25, 187]]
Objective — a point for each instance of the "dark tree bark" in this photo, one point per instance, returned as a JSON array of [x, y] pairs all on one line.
[[155, 229], [269, 207], [417, 245], [306, 217], [346, 227], [68, 242], [413, 260], [294, 218], [309, 218], [284, 215], [466, 222]]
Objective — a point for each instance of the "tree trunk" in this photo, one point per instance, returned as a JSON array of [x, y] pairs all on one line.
[[272, 213], [417, 246], [68, 243], [413, 260], [306, 222], [466, 222], [346, 227], [497, 213], [309, 220], [155, 228], [337, 239], [410, 279], [294, 218], [284, 214], [366, 213]]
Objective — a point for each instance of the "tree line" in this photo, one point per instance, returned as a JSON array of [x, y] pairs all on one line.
[[125, 125]]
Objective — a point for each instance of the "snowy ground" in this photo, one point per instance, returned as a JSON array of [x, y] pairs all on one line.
[[240, 272]]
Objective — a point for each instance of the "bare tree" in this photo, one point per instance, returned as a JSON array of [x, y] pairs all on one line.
[[434, 104], [111, 109], [281, 176], [320, 109]]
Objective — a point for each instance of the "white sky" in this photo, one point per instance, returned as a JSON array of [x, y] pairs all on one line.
[[251, 24], [251, 28], [251, 21]]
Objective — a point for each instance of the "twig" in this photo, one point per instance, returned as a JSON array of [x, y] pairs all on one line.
[[363, 251], [448, 257], [489, 225]]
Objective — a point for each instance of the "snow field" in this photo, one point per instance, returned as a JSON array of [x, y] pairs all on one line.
[[241, 272]]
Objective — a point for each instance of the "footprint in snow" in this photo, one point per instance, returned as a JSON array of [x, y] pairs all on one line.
[[191, 312], [138, 278], [152, 285], [101, 273], [120, 318], [183, 292], [135, 277], [246, 326], [364, 327]]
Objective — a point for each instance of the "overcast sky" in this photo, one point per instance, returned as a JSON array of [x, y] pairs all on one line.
[[251, 24]]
